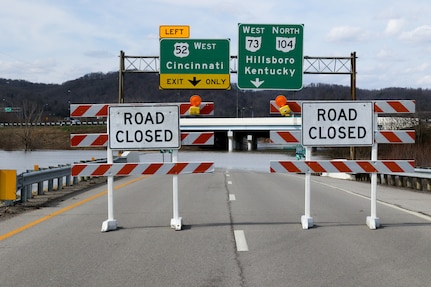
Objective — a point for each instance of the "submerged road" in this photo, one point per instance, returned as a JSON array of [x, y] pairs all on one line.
[[240, 228]]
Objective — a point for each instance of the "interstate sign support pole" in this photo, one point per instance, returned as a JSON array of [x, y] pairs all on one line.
[[176, 221], [373, 222], [306, 219], [110, 223]]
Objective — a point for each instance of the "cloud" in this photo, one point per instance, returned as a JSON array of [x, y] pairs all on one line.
[[420, 34], [385, 53], [424, 81], [99, 54], [394, 26], [346, 34]]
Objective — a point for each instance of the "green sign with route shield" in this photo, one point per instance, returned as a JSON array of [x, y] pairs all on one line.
[[194, 64], [270, 57]]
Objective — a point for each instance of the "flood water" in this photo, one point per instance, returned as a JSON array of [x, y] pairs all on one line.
[[22, 161], [241, 160]]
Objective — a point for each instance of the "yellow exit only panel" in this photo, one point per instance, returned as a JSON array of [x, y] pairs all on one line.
[[197, 81]]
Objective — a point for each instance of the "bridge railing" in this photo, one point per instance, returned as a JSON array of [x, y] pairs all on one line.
[[419, 180], [52, 178]]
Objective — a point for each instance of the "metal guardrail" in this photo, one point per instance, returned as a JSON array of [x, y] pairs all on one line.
[[25, 180], [51, 124], [60, 175], [419, 180]]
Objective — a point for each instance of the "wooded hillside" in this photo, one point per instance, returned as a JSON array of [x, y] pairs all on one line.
[[53, 100]]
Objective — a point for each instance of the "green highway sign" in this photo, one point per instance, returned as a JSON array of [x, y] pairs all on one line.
[[270, 57], [194, 64]]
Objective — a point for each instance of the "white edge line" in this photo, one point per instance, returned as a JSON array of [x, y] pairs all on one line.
[[415, 213]]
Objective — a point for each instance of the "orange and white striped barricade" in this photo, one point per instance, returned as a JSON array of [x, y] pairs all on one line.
[[380, 106], [394, 106], [89, 110], [295, 107], [395, 136], [101, 110], [197, 138], [205, 109], [381, 136], [89, 140], [101, 140], [285, 137], [336, 166], [126, 169]]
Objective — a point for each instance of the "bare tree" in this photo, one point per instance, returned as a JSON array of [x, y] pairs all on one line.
[[30, 114]]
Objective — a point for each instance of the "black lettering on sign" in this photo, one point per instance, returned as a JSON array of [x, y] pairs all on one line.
[[139, 118], [334, 115], [341, 132]]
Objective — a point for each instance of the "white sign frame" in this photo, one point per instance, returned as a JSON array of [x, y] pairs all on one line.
[[347, 123], [144, 127]]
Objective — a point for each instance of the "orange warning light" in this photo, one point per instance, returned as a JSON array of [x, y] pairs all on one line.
[[195, 100], [280, 100]]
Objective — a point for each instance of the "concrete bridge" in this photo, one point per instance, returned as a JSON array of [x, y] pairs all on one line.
[[233, 132]]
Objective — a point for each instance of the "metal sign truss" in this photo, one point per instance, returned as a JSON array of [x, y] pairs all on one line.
[[312, 65]]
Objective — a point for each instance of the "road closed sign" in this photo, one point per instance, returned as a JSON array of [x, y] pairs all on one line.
[[337, 124], [144, 127]]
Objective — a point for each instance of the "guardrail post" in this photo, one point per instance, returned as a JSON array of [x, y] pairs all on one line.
[[409, 182], [25, 193], [40, 188], [68, 180], [400, 181], [60, 183], [50, 184], [418, 184], [392, 180]]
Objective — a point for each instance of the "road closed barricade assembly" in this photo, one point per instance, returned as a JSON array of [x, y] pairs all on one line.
[[140, 127], [347, 123]]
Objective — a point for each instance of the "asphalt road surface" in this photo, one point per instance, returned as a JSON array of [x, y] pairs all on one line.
[[240, 228]]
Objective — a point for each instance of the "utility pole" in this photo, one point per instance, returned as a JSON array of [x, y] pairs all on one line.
[[353, 93]]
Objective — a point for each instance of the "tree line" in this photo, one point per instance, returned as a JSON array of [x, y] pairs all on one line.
[[52, 101]]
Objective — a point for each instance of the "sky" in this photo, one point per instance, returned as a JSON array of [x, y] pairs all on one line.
[[54, 41]]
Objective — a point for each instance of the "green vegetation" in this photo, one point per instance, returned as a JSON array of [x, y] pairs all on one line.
[[37, 138], [52, 101]]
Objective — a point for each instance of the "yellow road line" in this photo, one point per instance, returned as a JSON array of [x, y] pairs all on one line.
[[63, 210]]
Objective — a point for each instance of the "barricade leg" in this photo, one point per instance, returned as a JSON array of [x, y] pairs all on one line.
[[110, 223], [372, 221], [176, 221], [306, 219]]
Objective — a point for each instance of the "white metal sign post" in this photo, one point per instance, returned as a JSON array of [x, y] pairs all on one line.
[[373, 222], [176, 221], [333, 124], [110, 223]]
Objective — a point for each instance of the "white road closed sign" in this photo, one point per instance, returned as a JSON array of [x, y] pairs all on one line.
[[144, 127], [337, 124]]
